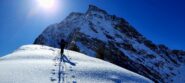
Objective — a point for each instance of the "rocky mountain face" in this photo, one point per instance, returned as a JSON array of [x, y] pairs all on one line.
[[113, 39]]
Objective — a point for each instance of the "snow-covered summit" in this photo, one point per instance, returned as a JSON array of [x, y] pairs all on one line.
[[93, 8], [40, 64]]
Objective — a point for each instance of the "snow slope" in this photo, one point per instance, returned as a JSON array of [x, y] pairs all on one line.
[[40, 64]]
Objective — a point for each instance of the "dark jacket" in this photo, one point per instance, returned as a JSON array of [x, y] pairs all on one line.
[[62, 45]]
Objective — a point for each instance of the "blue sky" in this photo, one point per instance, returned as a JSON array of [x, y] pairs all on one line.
[[162, 21]]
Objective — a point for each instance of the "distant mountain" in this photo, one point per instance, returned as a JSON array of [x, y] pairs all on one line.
[[40, 64], [113, 39]]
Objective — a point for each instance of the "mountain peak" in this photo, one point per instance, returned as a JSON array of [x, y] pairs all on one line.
[[95, 9], [99, 34]]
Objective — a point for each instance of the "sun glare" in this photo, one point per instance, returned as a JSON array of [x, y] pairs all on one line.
[[48, 5], [46, 8]]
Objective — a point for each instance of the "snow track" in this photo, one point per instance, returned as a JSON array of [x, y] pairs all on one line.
[[60, 63]]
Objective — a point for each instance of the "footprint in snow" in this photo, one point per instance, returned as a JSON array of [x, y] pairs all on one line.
[[52, 69], [70, 69], [74, 82], [53, 73], [73, 76], [52, 79]]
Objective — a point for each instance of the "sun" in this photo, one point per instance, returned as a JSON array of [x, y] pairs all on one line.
[[46, 8], [47, 5]]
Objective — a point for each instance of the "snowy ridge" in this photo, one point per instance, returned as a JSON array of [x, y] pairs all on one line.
[[98, 34], [39, 64]]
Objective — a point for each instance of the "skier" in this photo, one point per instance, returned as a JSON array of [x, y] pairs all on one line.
[[62, 46]]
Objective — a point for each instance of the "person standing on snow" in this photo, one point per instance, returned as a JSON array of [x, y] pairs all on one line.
[[63, 58], [62, 46]]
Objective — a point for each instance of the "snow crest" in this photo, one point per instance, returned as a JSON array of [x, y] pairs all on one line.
[[39, 64]]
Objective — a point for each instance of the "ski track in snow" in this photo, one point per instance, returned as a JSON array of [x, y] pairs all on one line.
[[60, 63]]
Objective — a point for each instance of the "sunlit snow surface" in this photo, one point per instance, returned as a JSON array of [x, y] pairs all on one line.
[[40, 64]]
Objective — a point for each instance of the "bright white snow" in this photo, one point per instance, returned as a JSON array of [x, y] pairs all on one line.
[[40, 64]]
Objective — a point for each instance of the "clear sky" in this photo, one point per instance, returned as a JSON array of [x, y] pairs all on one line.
[[162, 21]]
